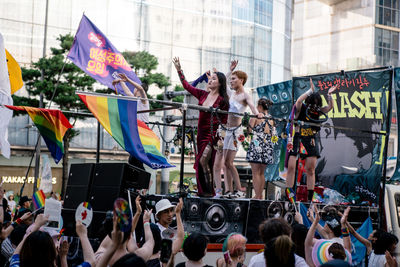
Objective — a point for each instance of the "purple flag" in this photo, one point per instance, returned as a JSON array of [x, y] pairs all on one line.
[[93, 53]]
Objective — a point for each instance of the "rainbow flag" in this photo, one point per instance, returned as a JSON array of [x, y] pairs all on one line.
[[119, 118], [52, 125], [38, 199]]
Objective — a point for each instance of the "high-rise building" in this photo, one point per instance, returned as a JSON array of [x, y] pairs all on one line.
[[334, 35]]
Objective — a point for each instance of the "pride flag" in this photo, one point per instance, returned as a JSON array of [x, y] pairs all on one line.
[[38, 199], [52, 125], [119, 118], [93, 53]]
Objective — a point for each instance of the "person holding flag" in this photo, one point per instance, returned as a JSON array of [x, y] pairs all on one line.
[[143, 104]]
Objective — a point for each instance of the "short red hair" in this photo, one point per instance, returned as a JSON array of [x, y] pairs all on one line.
[[241, 75]]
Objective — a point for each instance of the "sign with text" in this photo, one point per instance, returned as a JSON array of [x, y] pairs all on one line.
[[351, 161]]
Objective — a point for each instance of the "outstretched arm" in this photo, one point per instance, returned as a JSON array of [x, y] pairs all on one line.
[[309, 242], [193, 90], [345, 231], [177, 244], [360, 238], [138, 87], [327, 108], [299, 101], [146, 250]]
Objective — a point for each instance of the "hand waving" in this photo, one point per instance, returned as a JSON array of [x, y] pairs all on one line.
[[233, 64], [177, 63]]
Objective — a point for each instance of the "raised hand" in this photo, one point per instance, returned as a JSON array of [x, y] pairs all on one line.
[[41, 219], [215, 70], [208, 74], [116, 235], [179, 207], [26, 216], [116, 81], [123, 77], [233, 64], [80, 229], [137, 203], [63, 248], [333, 89], [147, 215], [312, 87], [177, 63], [343, 220]]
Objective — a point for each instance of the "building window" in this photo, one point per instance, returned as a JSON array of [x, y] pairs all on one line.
[[388, 13], [386, 47]]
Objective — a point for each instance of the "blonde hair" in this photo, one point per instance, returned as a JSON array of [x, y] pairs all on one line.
[[236, 245], [241, 75], [283, 244]]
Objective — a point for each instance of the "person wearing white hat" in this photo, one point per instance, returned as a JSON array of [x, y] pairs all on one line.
[[165, 212]]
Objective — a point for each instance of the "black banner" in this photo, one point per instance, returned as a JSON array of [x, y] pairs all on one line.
[[352, 160]]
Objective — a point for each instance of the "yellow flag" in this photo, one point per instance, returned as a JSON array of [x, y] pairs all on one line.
[[14, 73]]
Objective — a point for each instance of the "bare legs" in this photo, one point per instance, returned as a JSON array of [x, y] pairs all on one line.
[[291, 171], [218, 165], [231, 174], [258, 179], [310, 164]]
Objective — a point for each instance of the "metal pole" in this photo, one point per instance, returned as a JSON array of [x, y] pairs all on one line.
[[182, 169], [98, 143], [37, 159], [166, 133], [387, 134]]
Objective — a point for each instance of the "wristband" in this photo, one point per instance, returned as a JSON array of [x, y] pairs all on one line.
[[18, 221], [14, 224], [345, 232], [146, 223], [309, 92]]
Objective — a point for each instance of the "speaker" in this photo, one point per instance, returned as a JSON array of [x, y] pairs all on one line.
[[78, 187], [281, 95], [215, 218], [261, 210], [111, 180]]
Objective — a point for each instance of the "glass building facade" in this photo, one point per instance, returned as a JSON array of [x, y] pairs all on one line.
[[387, 32], [203, 33]]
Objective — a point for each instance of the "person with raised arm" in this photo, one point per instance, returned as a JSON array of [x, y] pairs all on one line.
[[239, 100], [308, 108], [208, 123]]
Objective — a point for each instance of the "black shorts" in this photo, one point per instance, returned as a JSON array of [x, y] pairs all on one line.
[[310, 144]]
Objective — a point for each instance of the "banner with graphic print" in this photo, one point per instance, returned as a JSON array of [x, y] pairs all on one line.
[[281, 95], [352, 161], [93, 53]]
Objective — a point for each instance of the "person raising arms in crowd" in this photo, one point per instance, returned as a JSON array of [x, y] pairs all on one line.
[[308, 108], [215, 97], [239, 100]]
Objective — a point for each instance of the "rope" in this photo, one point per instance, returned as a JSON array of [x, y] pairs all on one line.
[[206, 109]]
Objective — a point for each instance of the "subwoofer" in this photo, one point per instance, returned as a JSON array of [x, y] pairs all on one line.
[[261, 210], [79, 182], [215, 218], [112, 180]]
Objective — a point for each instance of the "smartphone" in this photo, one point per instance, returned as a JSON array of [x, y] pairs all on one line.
[[166, 250]]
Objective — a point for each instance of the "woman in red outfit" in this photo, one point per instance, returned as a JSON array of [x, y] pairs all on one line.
[[215, 97]]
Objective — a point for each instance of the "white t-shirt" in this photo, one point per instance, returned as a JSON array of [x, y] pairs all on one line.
[[377, 260], [259, 261], [143, 116]]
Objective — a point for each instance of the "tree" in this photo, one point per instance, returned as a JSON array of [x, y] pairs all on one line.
[[143, 63], [70, 80]]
